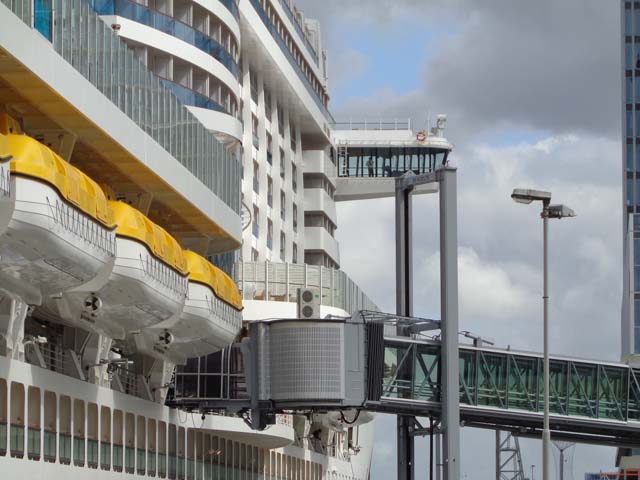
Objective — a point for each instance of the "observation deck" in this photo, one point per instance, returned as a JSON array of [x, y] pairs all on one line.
[[370, 155]]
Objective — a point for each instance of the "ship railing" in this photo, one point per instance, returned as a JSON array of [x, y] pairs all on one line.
[[5, 180], [279, 282], [82, 226], [128, 379], [284, 419], [300, 29], [380, 124], [224, 312], [53, 356], [164, 275]]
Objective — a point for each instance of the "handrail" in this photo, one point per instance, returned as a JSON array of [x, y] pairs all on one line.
[[82, 226], [5, 180], [188, 96], [380, 124], [280, 281]]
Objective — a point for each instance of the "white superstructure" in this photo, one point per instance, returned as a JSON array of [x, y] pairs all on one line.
[[167, 121]]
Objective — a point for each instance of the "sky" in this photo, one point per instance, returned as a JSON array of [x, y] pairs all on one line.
[[532, 95]]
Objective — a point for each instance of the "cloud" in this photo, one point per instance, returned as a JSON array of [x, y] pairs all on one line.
[[532, 92], [500, 260], [545, 65]]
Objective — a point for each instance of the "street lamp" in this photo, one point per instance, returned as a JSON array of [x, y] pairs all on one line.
[[548, 211]]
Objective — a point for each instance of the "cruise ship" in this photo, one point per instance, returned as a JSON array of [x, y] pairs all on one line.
[[168, 172]]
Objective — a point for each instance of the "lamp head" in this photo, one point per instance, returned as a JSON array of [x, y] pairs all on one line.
[[523, 195], [560, 211]]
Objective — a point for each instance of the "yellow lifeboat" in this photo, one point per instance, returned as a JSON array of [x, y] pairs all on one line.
[[60, 231], [146, 287], [210, 320]]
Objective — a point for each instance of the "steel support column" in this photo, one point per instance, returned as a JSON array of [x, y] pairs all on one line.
[[404, 307], [449, 321]]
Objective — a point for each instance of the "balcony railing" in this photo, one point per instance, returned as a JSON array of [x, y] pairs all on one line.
[[395, 124], [280, 281], [98, 54], [190, 97], [169, 25], [232, 7], [296, 66], [300, 29]]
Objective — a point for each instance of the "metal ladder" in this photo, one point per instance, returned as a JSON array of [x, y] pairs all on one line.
[[343, 164]]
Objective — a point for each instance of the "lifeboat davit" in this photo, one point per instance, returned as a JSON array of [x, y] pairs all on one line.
[[147, 285], [7, 204], [210, 321], [60, 232]]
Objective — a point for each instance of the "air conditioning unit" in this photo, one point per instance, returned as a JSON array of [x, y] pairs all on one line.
[[308, 303]]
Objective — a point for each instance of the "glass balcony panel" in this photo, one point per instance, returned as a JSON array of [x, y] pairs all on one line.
[[105, 455], [65, 448], [16, 433], [78, 451], [118, 458], [92, 453]]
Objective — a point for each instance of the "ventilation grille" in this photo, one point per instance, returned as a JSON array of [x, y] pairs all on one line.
[[307, 362]]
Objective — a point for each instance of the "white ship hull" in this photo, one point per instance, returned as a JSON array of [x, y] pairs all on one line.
[[50, 412]]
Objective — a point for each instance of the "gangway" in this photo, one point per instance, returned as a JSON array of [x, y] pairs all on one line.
[[591, 401], [334, 364]]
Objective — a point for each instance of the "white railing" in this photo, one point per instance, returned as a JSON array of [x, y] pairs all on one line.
[[5, 180], [379, 124], [284, 419], [54, 356], [279, 282], [83, 227], [164, 275], [224, 312]]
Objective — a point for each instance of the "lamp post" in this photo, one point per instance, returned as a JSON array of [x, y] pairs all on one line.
[[548, 211]]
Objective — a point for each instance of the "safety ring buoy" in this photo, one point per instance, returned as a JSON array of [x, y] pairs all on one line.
[[421, 136]]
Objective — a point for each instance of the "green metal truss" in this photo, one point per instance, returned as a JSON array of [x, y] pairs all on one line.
[[513, 381]]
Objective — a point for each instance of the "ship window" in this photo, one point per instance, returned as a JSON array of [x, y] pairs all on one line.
[[64, 438], [33, 430], [16, 430], [228, 459], [141, 445], [50, 432], [216, 454], [105, 438], [129, 443], [78, 433], [180, 451], [200, 439], [206, 455], [191, 467], [172, 452], [3, 416], [151, 448], [118, 440], [92, 435], [162, 449]]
